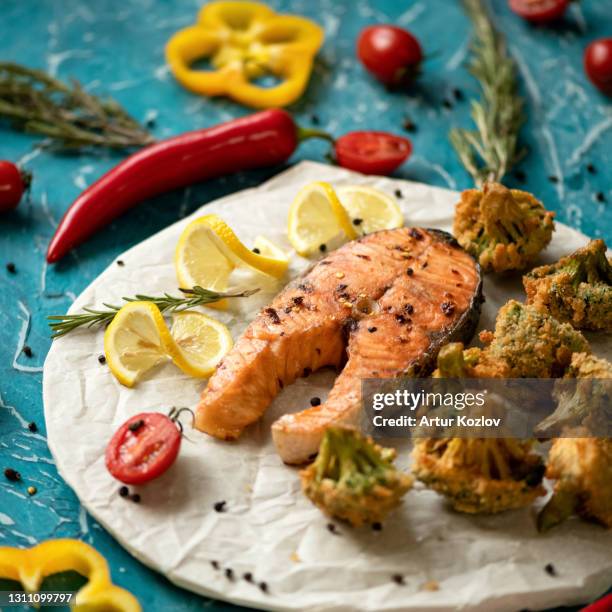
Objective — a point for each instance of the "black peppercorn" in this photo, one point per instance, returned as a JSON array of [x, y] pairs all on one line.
[[220, 506], [27, 351], [10, 267], [124, 491], [315, 401], [12, 475], [32, 427]]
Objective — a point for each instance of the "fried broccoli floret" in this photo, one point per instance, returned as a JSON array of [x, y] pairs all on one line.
[[582, 468], [354, 479], [576, 289], [586, 402], [505, 229], [480, 476], [456, 361], [525, 344], [529, 344]]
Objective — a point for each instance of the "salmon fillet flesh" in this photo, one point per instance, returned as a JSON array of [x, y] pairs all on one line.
[[381, 306]]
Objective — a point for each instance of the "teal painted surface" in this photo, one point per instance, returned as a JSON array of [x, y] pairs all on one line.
[[116, 47]]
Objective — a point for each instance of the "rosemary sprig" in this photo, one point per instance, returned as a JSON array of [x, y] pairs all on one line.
[[63, 324], [69, 117], [490, 151]]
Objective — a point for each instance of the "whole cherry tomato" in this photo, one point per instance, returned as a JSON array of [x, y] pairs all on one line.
[[372, 152], [539, 11], [598, 64], [602, 605], [13, 182], [391, 54], [143, 448]]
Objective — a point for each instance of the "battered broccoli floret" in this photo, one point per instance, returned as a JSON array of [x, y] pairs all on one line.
[[504, 229], [576, 289], [582, 468], [529, 343], [353, 478], [586, 402], [480, 476], [455, 361], [525, 344]]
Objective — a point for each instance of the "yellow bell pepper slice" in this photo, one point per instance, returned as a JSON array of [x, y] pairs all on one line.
[[244, 41], [30, 566]]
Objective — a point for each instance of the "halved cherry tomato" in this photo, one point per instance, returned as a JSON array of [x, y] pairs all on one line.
[[372, 152], [539, 11], [598, 64], [143, 448], [13, 182], [391, 54]]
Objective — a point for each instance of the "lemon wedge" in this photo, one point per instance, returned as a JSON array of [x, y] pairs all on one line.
[[316, 216], [200, 343], [136, 341], [207, 252], [373, 209]]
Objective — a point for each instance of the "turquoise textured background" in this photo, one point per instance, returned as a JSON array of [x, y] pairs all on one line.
[[116, 47]]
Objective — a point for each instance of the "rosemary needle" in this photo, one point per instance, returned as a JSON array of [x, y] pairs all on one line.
[[489, 152], [63, 324]]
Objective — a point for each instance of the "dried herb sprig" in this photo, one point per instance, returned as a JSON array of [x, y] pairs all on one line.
[[63, 324], [490, 151], [69, 117]]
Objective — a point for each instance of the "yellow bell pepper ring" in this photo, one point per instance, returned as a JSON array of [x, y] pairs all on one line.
[[244, 41], [30, 566]]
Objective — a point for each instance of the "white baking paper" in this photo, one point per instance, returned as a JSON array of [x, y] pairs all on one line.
[[270, 529]]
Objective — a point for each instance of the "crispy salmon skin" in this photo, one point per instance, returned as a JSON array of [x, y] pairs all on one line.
[[382, 305]]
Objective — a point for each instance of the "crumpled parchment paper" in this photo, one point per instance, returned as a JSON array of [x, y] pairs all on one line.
[[270, 529]]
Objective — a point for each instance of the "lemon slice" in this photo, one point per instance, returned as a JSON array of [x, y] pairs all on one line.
[[199, 343], [136, 341], [268, 249], [316, 217], [208, 251], [373, 209]]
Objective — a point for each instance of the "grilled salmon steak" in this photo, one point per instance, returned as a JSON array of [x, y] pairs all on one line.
[[381, 305]]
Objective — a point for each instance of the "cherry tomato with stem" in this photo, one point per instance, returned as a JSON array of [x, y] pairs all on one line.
[[598, 64], [393, 55], [372, 152], [13, 183], [539, 11], [144, 447]]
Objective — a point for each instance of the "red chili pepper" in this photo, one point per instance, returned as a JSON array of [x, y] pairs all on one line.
[[603, 605], [262, 139]]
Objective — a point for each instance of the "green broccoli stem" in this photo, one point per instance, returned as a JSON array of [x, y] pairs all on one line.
[[559, 508]]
